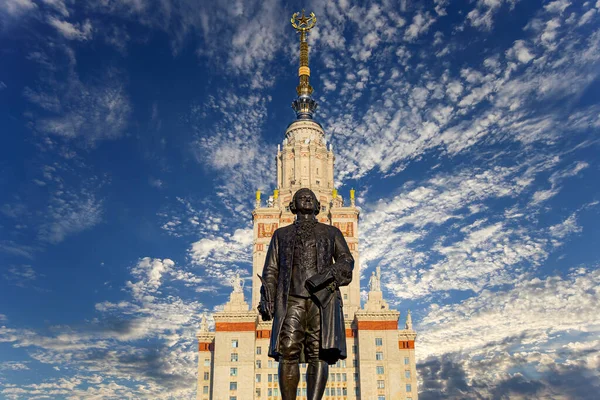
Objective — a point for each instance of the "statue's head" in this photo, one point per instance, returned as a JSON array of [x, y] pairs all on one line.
[[305, 202]]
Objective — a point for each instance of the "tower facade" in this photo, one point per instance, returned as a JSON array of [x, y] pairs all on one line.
[[233, 362]]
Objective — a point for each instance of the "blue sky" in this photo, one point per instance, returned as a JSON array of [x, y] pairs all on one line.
[[134, 134]]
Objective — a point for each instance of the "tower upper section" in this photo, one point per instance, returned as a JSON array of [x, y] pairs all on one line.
[[305, 160], [304, 105]]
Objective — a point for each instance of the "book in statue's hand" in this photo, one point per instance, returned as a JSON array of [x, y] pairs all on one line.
[[319, 281]]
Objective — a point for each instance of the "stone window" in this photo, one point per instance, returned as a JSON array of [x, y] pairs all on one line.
[[378, 341], [233, 371], [259, 350], [380, 370], [270, 378], [269, 392], [355, 363], [234, 357], [258, 377], [207, 362], [406, 360], [206, 376], [232, 397], [235, 343], [257, 392], [258, 364], [380, 397], [205, 390], [357, 391], [356, 377], [232, 385], [344, 377], [380, 384], [379, 355], [344, 391], [354, 348], [407, 374], [408, 387]]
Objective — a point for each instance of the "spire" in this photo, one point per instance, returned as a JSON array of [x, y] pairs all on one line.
[[304, 105], [408, 321]]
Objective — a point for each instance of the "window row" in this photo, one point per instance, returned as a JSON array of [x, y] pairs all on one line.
[[337, 377], [336, 391]]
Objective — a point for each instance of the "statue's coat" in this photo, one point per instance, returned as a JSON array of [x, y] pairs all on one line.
[[331, 246]]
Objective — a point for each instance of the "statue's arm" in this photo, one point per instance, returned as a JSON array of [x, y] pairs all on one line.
[[344, 262], [270, 277]]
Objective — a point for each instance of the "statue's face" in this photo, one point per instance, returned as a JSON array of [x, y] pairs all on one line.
[[305, 202]]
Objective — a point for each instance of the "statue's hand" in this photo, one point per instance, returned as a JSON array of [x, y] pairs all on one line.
[[266, 310]]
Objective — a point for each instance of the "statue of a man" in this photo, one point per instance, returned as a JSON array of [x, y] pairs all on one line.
[[237, 283], [374, 283], [306, 263]]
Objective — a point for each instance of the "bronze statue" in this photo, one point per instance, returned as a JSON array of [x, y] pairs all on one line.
[[306, 263]]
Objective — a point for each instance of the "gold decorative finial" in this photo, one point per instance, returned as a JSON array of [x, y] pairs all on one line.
[[304, 23], [304, 105]]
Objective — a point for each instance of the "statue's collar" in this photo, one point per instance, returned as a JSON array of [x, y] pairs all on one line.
[[305, 220]]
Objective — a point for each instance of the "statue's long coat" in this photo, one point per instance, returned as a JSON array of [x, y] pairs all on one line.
[[332, 254]]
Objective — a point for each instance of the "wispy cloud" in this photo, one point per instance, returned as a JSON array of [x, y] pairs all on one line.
[[73, 110], [521, 333], [107, 352], [17, 7], [77, 31], [20, 275]]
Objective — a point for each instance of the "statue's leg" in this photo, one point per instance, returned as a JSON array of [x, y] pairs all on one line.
[[318, 370], [290, 345]]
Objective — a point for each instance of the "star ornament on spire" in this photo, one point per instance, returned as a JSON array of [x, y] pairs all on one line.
[[303, 23]]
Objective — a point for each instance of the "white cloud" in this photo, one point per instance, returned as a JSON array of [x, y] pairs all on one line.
[[542, 329], [539, 308], [213, 253], [233, 146], [70, 212], [565, 228], [13, 366], [420, 24], [20, 275], [482, 16], [84, 111], [58, 5], [17, 7], [77, 31], [108, 356], [520, 52], [558, 6]]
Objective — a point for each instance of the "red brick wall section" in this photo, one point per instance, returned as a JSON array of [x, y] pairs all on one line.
[[406, 344], [234, 326], [204, 346], [350, 333], [377, 325], [263, 334]]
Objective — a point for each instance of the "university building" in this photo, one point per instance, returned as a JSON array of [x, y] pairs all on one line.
[[232, 360]]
